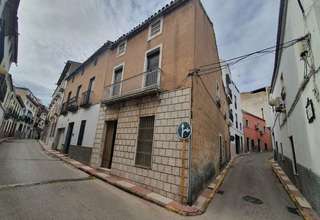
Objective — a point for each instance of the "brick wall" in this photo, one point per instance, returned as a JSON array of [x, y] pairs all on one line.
[[169, 109]]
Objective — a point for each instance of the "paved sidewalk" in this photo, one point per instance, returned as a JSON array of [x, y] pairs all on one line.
[[303, 205], [198, 208]]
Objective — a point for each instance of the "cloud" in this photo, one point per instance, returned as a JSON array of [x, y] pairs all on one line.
[[54, 31]]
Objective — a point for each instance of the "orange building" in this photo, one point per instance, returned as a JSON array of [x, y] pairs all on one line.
[[257, 135]]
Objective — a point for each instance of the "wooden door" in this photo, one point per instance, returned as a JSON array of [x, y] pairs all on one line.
[[111, 129]]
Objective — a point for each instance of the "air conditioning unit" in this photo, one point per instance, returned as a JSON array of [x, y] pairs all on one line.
[[275, 102]]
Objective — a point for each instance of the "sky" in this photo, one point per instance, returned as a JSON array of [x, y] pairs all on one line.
[[54, 31]]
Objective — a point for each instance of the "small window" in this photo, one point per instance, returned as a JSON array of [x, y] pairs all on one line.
[[155, 28], [122, 48], [117, 81], [78, 92], [247, 123], [81, 132], [145, 140]]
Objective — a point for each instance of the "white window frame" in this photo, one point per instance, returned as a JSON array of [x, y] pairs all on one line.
[[157, 34], [125, 48], [113, 72], [146, 62]]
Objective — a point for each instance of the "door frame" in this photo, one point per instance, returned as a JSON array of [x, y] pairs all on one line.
[[68, 138], [104, 162]]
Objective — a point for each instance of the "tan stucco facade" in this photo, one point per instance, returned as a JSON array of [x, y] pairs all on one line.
[[178, 170]]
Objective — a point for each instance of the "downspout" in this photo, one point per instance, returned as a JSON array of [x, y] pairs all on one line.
[[189, 193]]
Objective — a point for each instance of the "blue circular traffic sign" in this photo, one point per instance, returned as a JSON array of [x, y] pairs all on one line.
[[184, 130]]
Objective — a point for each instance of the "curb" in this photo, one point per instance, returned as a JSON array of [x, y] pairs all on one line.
[[198, 208], [297, 198], [3, 140]]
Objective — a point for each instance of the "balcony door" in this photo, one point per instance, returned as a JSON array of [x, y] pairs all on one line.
[[117, 77], [153, 59]]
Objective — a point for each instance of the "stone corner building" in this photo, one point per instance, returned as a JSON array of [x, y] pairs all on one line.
[[145, 91]]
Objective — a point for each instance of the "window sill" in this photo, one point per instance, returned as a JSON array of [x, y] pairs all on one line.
[[143, 167], [154, 36]]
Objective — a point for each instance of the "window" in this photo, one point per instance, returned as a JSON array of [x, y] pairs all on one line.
[[155, 28], [69, 96], [152, 66], [295, 169], [91, 84], [236, 120], [145, 140], [78, 92], [240, 126], [247, 123], [235, 102], [117, 78], [81, 132], [122, 47]]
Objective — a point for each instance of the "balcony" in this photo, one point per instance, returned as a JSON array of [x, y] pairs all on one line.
[[86, 99], [72, 104], [140, 85]]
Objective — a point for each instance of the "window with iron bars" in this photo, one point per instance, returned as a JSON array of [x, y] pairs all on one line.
[[145, 140]]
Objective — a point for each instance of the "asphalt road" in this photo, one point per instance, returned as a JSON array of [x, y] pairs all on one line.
[[35, 186]]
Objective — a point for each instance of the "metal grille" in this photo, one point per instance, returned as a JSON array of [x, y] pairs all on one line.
[[155, 27], [151, 78], [145, 139]]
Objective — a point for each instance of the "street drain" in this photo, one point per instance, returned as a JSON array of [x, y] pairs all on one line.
[[252, 200], [293, 210], [221, 192]]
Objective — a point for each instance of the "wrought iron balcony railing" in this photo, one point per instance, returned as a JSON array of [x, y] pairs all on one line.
[[72, 104], [86, 99], [139, 85]]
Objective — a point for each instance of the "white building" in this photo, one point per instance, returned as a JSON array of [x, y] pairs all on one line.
[[295, 96], [235, 114], [30, 111], [8, 44], [56, 103], [12, 109]]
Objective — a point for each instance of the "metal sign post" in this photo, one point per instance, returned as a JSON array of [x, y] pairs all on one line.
[[184, 134]]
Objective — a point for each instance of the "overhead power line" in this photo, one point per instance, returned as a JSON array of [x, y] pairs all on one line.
[[218, 66]]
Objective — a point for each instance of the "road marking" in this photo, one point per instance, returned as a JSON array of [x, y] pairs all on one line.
[[19, 185]]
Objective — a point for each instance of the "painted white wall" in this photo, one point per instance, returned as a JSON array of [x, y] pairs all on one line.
[[90, 115], [306, 136], [235, 98]]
